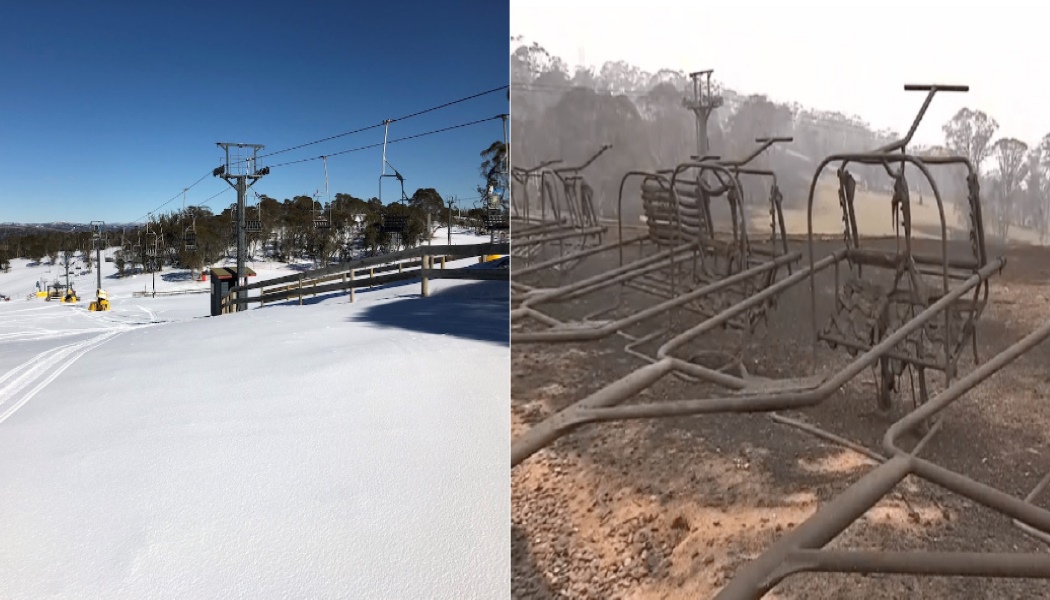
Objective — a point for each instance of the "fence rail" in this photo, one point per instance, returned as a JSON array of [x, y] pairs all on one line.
[[363, 273], [168, 293]]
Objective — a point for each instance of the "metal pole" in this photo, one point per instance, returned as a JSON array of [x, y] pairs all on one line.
[[240, 183], [702, 105], [425, 281], [506, 164], [242, 189], [98, 259], [450, 203], [386, 129], [506, 153], [327, 196]]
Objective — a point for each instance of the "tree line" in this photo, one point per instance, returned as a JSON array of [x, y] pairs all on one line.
[[284, 230], [566, 115]]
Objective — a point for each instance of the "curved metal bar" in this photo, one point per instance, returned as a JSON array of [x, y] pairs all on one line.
[[931, 91], [799, 550], [735, 207], [766, 143], [876, 159], [619, 201], [544, 196], [778, 209], [598, 407], [587, 163], [977, 208]]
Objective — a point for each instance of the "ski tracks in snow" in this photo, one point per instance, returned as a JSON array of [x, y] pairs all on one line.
[[19, 385]]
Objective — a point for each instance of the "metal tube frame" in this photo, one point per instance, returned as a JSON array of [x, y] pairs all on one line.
[[662, 283], [581, 224], [802, 550]]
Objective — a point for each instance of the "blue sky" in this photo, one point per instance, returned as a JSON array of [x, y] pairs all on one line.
[[109, 109]]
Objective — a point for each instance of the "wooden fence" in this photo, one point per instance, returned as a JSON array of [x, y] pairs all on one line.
[[414, 263]]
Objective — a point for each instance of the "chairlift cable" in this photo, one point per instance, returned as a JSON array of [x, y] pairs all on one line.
[[377, 125], [359, 130], [379, 144]]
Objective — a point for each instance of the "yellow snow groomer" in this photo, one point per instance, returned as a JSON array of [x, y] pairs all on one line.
[[101, 302]]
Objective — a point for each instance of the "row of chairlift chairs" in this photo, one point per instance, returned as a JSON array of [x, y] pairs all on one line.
[[388, 224], [189, 237]]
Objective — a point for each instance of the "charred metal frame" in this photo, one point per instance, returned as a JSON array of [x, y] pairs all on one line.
[[958, 303], [573, 222], [754, 394], [691, 257], [802, 549]]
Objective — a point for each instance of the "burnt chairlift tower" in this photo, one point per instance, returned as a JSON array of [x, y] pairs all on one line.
[[241, 173], [703, 103]]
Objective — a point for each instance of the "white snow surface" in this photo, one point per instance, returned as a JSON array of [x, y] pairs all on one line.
[[328, 450]]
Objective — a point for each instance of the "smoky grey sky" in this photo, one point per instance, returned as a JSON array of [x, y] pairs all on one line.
[[849, 57]]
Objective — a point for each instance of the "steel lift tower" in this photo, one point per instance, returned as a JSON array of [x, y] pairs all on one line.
[[703, 103], [241, 172]]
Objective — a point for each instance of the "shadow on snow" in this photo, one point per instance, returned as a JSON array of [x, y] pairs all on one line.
[[478, 310]]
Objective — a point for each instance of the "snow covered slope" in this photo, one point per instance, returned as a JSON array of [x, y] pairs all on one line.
[[329, 450]]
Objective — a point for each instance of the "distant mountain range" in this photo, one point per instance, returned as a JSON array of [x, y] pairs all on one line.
[[7, 229]]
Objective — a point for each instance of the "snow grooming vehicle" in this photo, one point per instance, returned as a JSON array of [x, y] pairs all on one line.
[[697, 267], [101, 302], [914, 325]]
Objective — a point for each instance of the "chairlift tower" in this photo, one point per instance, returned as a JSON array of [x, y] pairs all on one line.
[[703, 103], [98, 228], [241, 173], [506, 160], [151, 253], [451, 203]]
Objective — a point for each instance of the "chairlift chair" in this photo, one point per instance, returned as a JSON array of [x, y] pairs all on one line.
[[319, 221], [393, 223], [497, 221], [254, 225], [190, 238]]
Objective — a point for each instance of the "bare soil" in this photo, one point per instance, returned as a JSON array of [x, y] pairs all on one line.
[[875, 218], [672, 508]]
